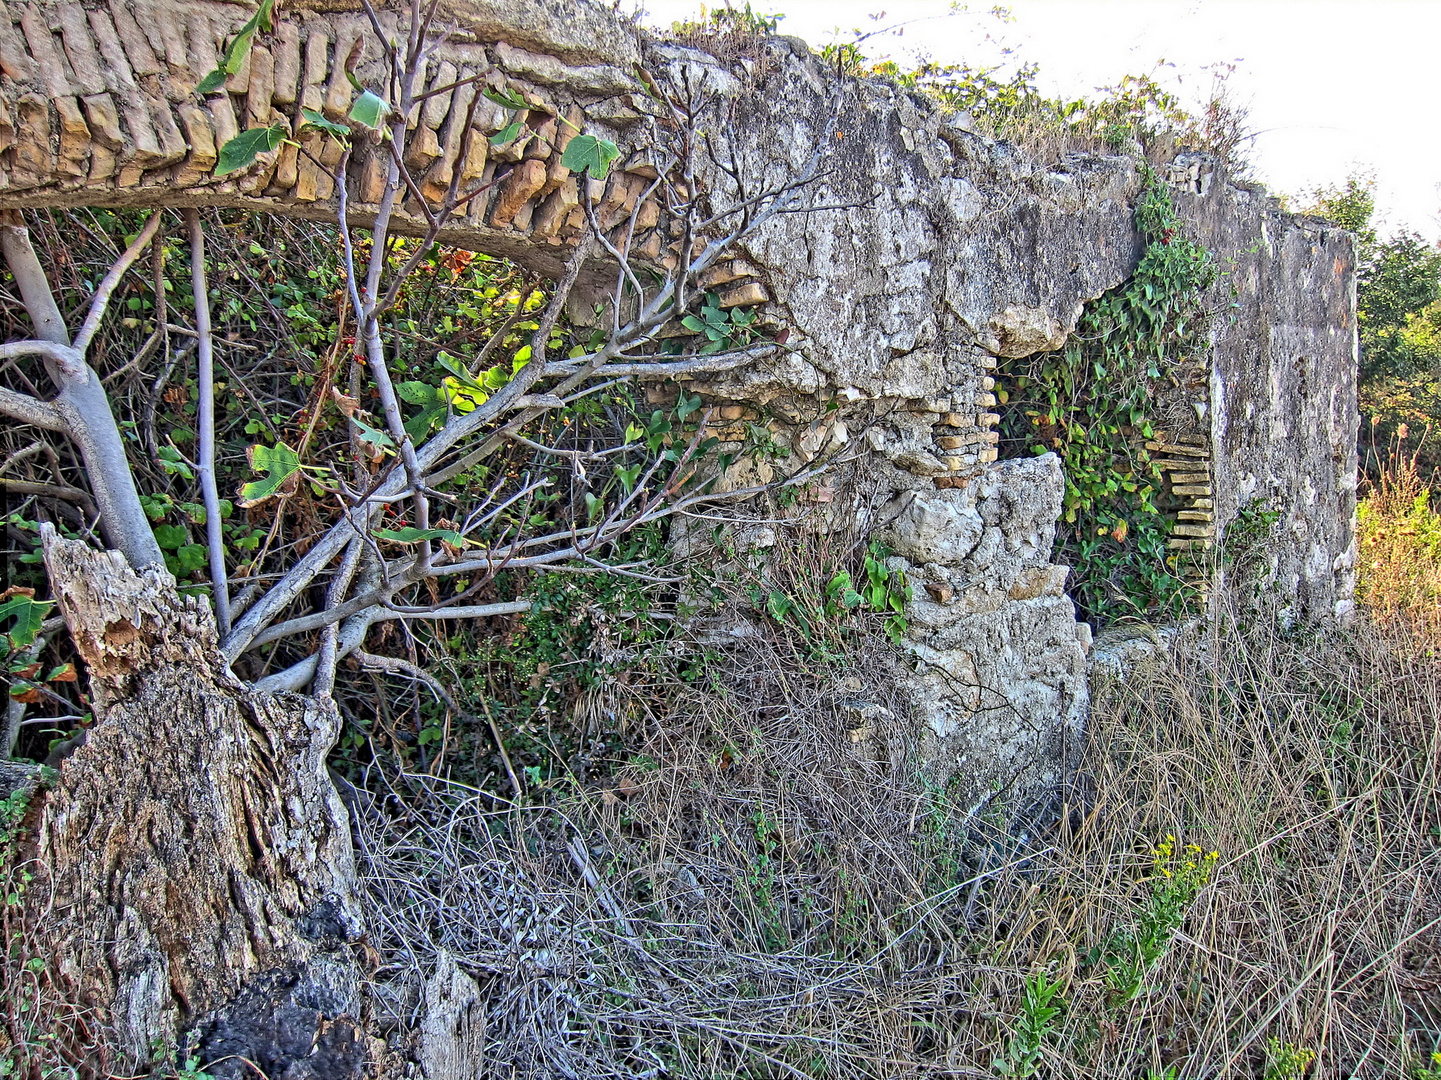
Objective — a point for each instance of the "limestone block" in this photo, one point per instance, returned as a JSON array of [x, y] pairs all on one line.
[[258, 95], [53, 70], [286, 53], [1192, 530], [1175, 449], [7, 129], [14, 60], [339, 93], [525, 180], [1190, 478], [458, 135], [164, 27], [1021, 331], [313, 73], [422, 149], [1034, 581], [434, 109], [554, 210], [1192, 489], [74, 139], [199, 45], [85, 64], [550, 71], [942, 528], [120, 75], [102, 164], [201, 136], [747, 295], [104, 121], [32, 153], [172, 143]]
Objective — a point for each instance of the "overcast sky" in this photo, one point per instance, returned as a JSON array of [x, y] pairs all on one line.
[[1332, 86]]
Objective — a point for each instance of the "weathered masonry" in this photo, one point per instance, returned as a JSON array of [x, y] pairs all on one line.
[[927, 254]]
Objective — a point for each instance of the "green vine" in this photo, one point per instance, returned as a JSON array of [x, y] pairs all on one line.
[[1088, 403]]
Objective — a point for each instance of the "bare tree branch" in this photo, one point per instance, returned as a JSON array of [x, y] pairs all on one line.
[[111, 279], [29, 410], [205, 422]]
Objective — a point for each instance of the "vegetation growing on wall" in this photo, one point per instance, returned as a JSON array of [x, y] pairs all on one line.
[[1090, 403]]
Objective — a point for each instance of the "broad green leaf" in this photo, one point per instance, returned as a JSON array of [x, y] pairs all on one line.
[[505, 99], [593, 505], [419, 393], [319, 121], [212, 82], [694, 325], [370, 110], [506, 134], [279, 463], [462, 375], [418, 426], [589, 154], [412, 535], [241, 151], [28, 614]]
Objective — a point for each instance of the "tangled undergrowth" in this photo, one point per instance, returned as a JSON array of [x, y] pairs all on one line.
[[1243, 883]]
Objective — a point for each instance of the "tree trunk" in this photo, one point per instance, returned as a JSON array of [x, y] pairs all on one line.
[[196, 861]]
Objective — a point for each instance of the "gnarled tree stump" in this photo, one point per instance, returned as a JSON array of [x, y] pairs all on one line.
[[194, 854]]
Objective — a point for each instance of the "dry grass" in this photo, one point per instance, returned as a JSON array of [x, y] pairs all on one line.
[[773, 888], [1399, 540]]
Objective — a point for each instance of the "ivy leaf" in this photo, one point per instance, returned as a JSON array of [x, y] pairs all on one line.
[[241, 151], [192, 557], [505, 99], [370, 110], [373, 435], [412, 535], [589, 154], [506, 134], [319, 121], [171, 537], [28, 614], [279, 463]]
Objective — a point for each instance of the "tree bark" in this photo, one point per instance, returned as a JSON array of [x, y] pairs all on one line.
[[195, 857]]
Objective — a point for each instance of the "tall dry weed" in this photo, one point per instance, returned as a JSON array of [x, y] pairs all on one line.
[[773, 886]]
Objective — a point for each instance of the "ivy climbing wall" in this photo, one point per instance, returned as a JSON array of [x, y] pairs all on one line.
[[920, 258]]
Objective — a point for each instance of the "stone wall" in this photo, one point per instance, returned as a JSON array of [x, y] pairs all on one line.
[[925, 252]]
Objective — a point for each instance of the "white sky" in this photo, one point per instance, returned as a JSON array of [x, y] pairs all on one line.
[[1332, 86]]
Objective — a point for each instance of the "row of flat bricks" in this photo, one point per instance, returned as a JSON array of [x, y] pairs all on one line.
[[104, 97]]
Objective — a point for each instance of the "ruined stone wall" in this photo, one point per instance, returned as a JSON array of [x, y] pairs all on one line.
[[924, 253]]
